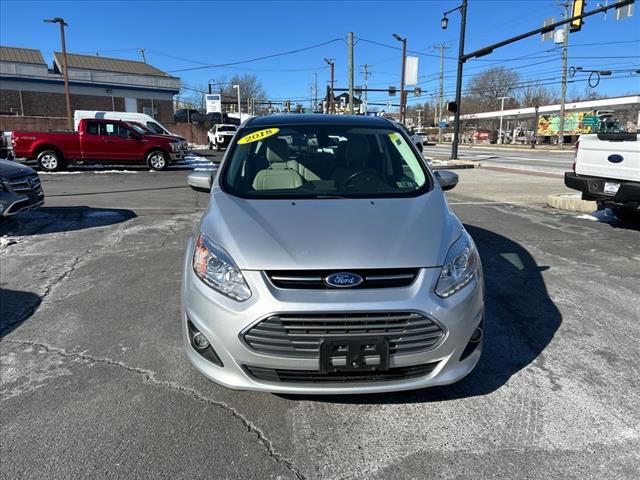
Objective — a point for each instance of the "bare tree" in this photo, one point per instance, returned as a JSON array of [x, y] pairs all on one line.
[[536, 94], [250, 89], [486, 87]]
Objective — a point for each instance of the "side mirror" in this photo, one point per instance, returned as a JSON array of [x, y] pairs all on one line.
[[446, 179], [200, 181], [135, 135]]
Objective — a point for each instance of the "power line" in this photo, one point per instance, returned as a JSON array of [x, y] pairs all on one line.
[[264, 57]]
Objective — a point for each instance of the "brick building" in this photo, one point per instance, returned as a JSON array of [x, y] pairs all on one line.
[[28, 87]]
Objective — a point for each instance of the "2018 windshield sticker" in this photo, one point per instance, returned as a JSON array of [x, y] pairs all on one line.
[[259, 135]]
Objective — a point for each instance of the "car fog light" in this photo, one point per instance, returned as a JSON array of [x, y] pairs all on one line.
[[200, 341], [477, 335]]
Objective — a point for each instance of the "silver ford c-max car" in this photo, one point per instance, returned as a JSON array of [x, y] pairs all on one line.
[[329, 262]]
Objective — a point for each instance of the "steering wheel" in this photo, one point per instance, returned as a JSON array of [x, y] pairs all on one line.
[[371, 173]]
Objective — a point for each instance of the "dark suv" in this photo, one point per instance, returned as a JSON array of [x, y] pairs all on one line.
[[20, 188]]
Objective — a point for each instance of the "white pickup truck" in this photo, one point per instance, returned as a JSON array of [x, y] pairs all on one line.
[[220, 136], [607, 170]]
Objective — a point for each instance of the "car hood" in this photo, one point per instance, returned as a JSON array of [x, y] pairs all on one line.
[[10, 169], [332, 234]]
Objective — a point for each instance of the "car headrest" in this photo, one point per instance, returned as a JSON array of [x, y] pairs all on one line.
[[358, 151], [277, 150]]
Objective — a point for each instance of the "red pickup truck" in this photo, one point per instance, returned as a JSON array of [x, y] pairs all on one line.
[[97, 140]]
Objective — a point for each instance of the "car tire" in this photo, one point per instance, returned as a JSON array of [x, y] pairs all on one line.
[[218, 147], [50, 161], [210, 146], [157, 160], [627, 215], [419, 147]]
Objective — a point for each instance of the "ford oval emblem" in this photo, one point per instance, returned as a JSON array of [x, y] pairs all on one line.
[[615, 158], [343, 280]]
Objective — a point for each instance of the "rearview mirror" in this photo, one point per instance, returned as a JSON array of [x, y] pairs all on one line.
[[200, 181], [447, 179]]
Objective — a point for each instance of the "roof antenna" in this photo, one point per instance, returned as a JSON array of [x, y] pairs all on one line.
[[144, 59]]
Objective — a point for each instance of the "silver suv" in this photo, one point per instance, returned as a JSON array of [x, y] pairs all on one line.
[[329, 262]]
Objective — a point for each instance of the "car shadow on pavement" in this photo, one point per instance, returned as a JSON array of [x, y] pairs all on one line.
[[16, 307], [521, 320], [62, 219]]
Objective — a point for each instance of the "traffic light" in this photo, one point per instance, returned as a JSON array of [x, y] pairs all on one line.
[[392, 91], [417, 91], [578, 9], [452, 107]]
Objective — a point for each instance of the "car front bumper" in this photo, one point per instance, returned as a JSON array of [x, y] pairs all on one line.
[[223, 321], [12, 203]]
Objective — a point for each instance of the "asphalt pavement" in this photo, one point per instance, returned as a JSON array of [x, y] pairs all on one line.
[[95, 384], [540, 160]]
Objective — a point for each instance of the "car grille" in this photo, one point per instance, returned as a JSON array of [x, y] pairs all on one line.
[[299, 335], [314, 279], [314, 376], [27, 183]]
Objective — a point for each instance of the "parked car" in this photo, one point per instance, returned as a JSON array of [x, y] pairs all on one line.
[[150, 124], [184, 115], [96, 140], [330, 269], [607, 170], [220, 136], [20, 188], [5, 151]]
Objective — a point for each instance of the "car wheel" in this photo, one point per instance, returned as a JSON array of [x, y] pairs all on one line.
[[210, 146], [218, 147], [50, 161], [157, 160], [627, 215]]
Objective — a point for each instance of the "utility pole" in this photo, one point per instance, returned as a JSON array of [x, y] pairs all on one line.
[[144, 59], [440, 106], [456, 129], [63, 24], [563, 94], [419, 118], [331, 62], [366, 74], [350, 43]]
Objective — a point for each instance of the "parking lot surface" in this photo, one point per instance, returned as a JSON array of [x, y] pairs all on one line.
[[95, 384]]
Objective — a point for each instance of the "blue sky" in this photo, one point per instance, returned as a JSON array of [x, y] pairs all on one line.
[[183, 35]]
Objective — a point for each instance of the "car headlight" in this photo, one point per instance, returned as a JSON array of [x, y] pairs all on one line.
[[460, 266], [216, 268]]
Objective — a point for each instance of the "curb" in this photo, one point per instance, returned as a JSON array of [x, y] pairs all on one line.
[[450, 164], [571, 202]]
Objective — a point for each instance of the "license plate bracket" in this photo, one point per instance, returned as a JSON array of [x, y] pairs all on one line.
[[354, 355], [611, 187]]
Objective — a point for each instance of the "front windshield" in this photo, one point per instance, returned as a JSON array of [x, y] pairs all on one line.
[[154, 127], [320, 161], [138, 128]]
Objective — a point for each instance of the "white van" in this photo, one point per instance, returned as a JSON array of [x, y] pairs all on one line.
[[151, 123]]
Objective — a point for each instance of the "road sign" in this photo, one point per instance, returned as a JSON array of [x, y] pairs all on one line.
[[547, 35], [590, 121], [624, 12]]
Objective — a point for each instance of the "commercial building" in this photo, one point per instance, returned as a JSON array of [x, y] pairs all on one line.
[[28, 87]]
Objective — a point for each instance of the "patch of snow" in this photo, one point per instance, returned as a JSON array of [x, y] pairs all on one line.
[[605, 215]]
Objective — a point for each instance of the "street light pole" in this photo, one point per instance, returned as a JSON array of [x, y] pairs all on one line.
[[463, 24], [404, 61], [237, 87], [331, 63], [65, 73], [501, 110]]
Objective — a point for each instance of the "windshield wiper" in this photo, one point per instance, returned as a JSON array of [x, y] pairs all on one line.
[[329, 196]]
